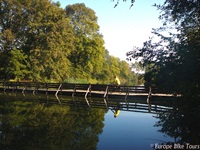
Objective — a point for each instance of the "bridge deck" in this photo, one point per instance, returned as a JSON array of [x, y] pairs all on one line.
[[87, 90]]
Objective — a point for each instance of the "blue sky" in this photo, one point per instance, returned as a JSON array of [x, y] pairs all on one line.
[[123, 28]]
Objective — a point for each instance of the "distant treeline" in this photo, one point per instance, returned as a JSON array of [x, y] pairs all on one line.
[[40, 41]]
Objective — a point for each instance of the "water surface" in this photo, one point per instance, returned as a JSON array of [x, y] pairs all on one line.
[[45, 122]]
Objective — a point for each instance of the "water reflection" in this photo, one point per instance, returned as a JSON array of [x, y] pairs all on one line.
[[49, 122], [26, 123], [116, 110], [182, 123]]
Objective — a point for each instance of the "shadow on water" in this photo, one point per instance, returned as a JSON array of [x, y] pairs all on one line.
[[49, 122], [182, 124]]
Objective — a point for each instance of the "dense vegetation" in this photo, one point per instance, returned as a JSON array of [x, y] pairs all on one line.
[[174, 61], [42, 42]]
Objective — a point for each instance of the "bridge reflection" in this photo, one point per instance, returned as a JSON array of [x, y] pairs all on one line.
[[137, 104], [177, 118], [132, 105]]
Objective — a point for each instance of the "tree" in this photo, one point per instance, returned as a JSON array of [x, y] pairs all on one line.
[[12, 23], [40, 29], [88, 56], [126, 74], [50, 41], [39, 41], [174, 61], [16, 66], [114, 69]]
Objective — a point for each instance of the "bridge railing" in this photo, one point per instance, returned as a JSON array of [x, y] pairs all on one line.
[[76, 88]]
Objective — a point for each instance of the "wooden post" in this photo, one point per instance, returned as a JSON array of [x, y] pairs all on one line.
[[25, 87], [74, 90], [149, 95], [105, 103], [34, 89], [149, 107], [127, 93], [87, 101], [58, 89], [58, 99], [47, 88], [106, 92], [88, 90]]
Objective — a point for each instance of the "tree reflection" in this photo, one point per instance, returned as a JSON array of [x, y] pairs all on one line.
[[29, 125], [182, 123]]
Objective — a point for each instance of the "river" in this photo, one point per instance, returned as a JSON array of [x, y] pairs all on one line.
[[46, 122]]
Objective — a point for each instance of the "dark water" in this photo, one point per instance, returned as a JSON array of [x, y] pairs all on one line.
[[45, 122]]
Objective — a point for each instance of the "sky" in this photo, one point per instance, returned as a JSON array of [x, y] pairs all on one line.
[[123, 28]]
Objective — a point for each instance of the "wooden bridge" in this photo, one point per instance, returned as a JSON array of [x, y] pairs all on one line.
[[129, 105], [86, 90]]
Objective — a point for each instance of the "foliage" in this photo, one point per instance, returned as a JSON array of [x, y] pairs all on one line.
[[49, 42], [42, 32], [39, 41], [88, 55], [17, 64], [174, 61]]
